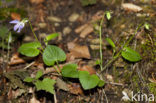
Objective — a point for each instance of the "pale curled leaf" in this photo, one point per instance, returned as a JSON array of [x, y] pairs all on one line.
[[131, 7]]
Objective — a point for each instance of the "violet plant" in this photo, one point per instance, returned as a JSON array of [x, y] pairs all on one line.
[[52, 55]]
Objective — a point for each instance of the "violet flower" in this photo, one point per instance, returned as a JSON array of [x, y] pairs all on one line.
[[19, 25]]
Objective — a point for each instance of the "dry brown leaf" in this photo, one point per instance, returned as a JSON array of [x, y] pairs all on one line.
[[91, 70], [79, 29], [61, 84], [15, 16], [131, 7], [70, 57], [36, 1], [89, 29], [75, 88], [78, 51], [15, 59]]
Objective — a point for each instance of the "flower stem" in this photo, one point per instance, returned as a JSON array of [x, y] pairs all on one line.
[[34, 34], [119, 53], [100, 34]]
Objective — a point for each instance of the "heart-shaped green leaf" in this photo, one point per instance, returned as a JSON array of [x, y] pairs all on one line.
[[30, 49], [130, 55], [39, 74], [70, 70], [88, 81], [47, 84], [53, 54]]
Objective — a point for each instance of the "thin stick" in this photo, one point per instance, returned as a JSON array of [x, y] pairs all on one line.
[[29, 65], [100, 34], [55, 99], [34, 33]]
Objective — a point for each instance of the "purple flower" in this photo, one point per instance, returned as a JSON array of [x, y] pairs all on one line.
[[19, 25]]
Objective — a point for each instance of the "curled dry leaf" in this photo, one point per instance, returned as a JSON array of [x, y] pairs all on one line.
[[131, 7], [15, 16], [36, 1], [84, 30], [78, 51], [90, 69], [15, 59]]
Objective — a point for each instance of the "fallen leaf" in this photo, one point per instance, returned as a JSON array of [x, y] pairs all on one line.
[[79, 29], [15, 59], [36, 1], [61, 84], [78, 51], [90, 69], [89, 29], [75, 88], [15, 16], [131, 7]]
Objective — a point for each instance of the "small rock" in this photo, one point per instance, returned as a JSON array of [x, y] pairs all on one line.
[[54, 19], [73, 17], [56, 24], [42, 35], [42, 25], [28, 38], [131, 7], [95, 47], [66, 30]]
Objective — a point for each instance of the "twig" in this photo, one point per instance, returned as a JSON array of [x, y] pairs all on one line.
[[55, 99], [29, 65], [105, 96]]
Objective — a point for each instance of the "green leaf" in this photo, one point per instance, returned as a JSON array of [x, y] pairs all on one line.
[[53, 54], [98, 62], [88, 2], [147, 26], [108, 15], [70, 70], [130, 55], [39, 74], [50, 37], [88, 81], [30, 49], [101, 83], [29, 79], [47, 84], [110, 42]]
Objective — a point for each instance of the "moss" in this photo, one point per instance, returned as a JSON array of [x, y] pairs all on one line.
[[152, 88]]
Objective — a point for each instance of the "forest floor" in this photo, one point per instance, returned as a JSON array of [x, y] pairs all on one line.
[[78, 26]]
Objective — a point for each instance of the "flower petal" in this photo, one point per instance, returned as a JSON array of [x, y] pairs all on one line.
[[16, 27], [19, 30], [14, 21]]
